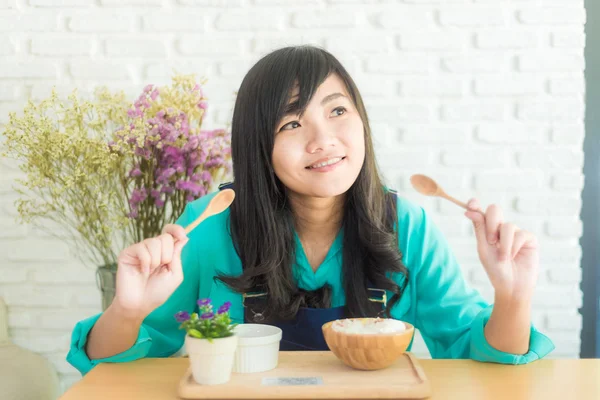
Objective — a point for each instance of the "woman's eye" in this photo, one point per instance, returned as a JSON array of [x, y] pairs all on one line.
[[290, 125], [339, 111]]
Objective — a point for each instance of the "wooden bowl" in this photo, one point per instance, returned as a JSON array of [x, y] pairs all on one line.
[[367, 351]]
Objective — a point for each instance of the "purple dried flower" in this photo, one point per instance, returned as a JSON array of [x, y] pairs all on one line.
[[203, 302], [182, 316], [224, 308], [207, 315]]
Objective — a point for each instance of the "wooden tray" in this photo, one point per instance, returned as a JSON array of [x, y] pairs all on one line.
[[320, 375]]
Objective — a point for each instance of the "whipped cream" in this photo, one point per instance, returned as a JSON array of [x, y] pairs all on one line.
[[371, 326]]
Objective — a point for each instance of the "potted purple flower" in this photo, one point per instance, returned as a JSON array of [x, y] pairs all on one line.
[[210, 342]]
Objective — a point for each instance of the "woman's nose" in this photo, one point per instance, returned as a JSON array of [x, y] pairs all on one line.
[[321, 138]]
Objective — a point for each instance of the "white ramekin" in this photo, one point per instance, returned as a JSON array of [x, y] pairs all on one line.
[[258, 348]]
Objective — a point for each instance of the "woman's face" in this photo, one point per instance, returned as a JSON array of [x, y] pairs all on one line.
[[320, 154]]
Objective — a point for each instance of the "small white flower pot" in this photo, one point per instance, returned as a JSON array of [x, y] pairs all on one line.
[[212, 363], [258, 348]]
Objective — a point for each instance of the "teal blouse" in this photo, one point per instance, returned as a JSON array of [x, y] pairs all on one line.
[[449, 314]]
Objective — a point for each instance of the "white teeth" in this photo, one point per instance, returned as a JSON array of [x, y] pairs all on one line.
[[328, 162]]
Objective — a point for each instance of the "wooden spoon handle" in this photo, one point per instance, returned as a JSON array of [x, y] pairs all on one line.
[[458, 202], [197, 221]]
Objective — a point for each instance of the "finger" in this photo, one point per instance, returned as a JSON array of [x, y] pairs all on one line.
[[477, 218], [176, 231], [523, 239], [507, 236], [167, 242], [175, 264], [145, 259], [154, 248], [493, 220]]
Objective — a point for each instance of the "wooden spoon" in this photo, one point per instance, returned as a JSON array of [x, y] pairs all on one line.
[[217, 205], [427, 186]]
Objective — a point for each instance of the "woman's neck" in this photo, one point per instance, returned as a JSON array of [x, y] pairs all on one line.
[[317, 218]]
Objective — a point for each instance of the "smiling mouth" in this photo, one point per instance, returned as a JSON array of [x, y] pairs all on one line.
[[331, 161]]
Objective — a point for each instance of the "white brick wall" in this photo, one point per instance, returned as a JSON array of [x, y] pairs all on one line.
[[485, 95]]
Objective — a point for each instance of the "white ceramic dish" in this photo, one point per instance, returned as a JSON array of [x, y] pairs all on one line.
[[257, 349]]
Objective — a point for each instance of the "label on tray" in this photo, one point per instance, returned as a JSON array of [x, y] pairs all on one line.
[[293, 381]]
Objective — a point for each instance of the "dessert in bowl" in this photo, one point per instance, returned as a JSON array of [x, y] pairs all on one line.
[[368, 343]]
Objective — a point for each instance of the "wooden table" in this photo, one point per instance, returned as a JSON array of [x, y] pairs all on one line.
[[158, 378]]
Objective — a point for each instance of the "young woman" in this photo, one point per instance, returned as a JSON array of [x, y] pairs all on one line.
[[315, 235]]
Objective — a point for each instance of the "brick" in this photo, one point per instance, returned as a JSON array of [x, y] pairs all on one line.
[[46, 342], [249, 21], [564, 61], [90, 297], [8, 4], [560, 254], [360, 44], [65, 319], [563, 320], [475, 63], [398, 65], [568, 39], [326, 18], [402, 112], [125, 3], [404, 17], [508, 85], [29, 70], [61, 45], [552, 16], [416, 87], [566, 227], [551, 204], [25, 295], [506, 39], [522, 180], [61, 3], [551, 158], [509, 133], [568, 181], [66, 275], [430, 134], [9, 92], [474, 157], [45, 250], [561, 109], [30, 22], [429, 40], [212, 3], [563, 275], [175, 21], [568, 134], [474, 111], [573, 85], [262, 43], [101, 22], [140, 47], [6, 47], [375, 85], [556, 297], [470, 15], [12, 275], [202, 45], [414, 157], [164, 70], [20, 318]]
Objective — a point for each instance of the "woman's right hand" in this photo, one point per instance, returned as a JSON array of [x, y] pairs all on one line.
[[149, 272]]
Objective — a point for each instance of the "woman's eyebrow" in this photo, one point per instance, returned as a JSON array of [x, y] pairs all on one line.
[[331, 97]]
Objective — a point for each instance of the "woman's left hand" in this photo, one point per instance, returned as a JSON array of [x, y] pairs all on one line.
[[509, 255]]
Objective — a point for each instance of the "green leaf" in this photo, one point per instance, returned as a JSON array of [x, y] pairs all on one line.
[[195, 333]]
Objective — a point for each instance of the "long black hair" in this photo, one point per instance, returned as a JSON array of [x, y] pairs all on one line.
[[261, 221]]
